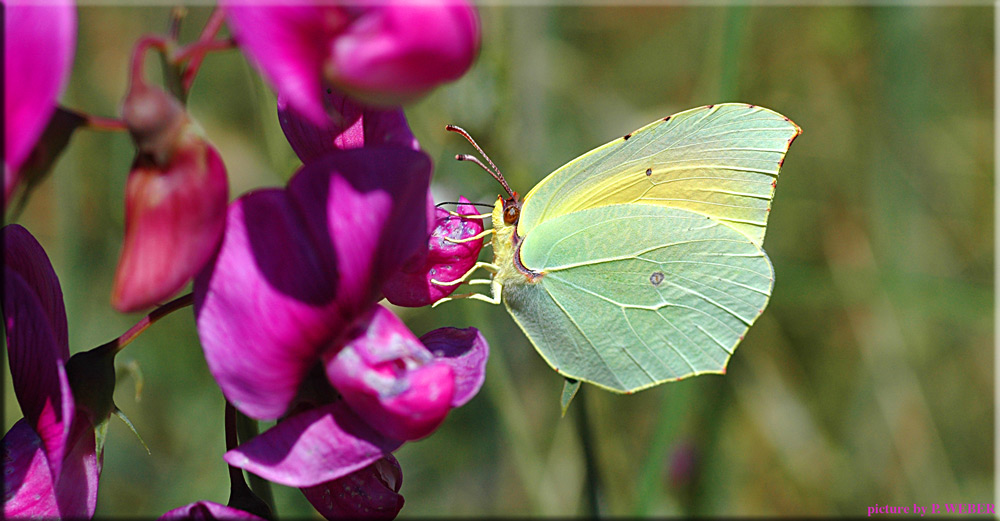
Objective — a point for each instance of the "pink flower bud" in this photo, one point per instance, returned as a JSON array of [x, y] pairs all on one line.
[[445, 261], [175, 202]]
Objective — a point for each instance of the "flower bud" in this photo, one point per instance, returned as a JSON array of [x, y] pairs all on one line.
[[175, 201]]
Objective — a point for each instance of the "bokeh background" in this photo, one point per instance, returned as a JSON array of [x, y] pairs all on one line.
[[868, 379]]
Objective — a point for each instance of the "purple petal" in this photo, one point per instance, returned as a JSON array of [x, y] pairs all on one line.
[[39, 41], [353, 126], [36, 367], [466, 351], [394, 53], [27, 483], [76, 490], [205, 510], [312, 447], [390, 379], [24, 255], [174, 219], [288, 44], [298, 266], [445, 261], [369, 493]]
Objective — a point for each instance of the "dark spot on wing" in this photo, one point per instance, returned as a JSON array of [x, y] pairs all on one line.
[[649, 172], [751, 106], [666, 118], [710, 106], [656, 278], [627, 136]]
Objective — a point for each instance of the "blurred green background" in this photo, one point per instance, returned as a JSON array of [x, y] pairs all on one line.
[[868, 379]]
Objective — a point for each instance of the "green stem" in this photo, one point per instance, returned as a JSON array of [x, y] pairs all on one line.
[[592, 477], [240, 495], [151, 318], [732, 39], [246, 427]]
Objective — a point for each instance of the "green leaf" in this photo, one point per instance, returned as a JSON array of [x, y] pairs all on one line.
[[570, 387], [118, 412]]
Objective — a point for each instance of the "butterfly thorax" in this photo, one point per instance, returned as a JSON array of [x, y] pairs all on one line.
[[505, 249]]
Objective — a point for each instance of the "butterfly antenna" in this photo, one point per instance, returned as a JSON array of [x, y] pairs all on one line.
[[495, 172]]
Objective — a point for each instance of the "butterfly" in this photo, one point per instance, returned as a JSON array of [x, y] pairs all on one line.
[[641, 261]]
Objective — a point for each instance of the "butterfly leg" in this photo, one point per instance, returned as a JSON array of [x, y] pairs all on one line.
[[478, 236], [492, 268], [474, 296]]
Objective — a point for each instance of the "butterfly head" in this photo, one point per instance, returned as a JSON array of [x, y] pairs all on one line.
[[511, 209]]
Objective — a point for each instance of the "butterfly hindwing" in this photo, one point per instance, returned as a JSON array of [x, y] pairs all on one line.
[[634, 295]]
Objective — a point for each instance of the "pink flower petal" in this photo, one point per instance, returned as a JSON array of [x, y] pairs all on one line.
[[445, 261], [369, 493], [39, 41], [76, 490], [466, 352], [296, 267], [27, 482], [37, 369], [394, 53], [390, 379], [174, 219], [24, 255], [312, 447], [353, 126], [206, 510], [288, 43]]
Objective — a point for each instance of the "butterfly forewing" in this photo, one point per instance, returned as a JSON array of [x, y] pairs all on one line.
[[721, 161], [634, 295]]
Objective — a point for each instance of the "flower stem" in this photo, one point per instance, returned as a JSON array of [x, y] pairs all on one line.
[[103, 124], [593, 482], [151, 318], [212, 27], [139, 56], [247, 428], [240, 495]]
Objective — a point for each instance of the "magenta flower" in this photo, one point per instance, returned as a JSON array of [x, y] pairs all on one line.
[[350, 125], [207, 510], [287, 316], [445, 261], [383, 54], [175, 201], [50, 460], [369, 493], [39, 40]]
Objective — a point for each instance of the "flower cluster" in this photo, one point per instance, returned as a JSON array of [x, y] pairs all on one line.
[[287, 280]]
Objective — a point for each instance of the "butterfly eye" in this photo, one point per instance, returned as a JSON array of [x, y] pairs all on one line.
[[511, 213]]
